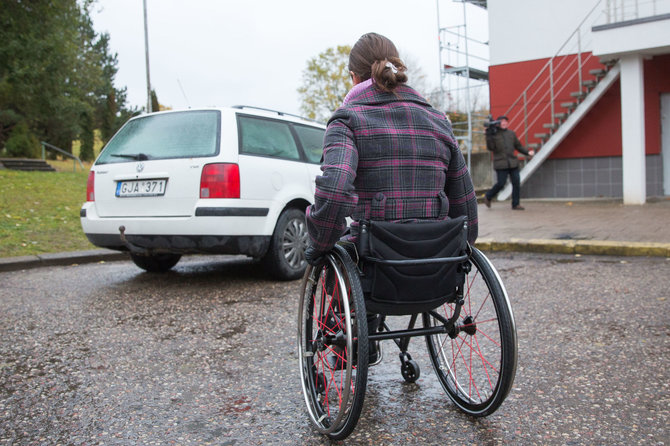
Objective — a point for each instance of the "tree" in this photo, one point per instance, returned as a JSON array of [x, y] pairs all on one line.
[[35, 62], [155, 105], [87, 136], [325, 83], [110, 102], [416, 78], [21, 142], [56, 72]]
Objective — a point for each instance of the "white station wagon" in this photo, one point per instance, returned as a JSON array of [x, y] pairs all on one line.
[[224, 181]]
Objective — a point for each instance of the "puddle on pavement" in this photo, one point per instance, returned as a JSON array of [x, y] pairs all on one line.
[[577, 260], [570, 236]]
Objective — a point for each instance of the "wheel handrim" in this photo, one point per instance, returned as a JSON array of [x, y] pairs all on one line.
[[326, 367], [294, 243]]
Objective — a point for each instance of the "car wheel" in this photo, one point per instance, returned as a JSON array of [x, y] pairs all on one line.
[[285, 260], [156, 263]]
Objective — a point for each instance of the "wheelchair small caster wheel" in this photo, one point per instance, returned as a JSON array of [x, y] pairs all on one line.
[[409, 368]]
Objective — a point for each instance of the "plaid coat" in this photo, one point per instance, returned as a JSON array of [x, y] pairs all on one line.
[[389, 157]]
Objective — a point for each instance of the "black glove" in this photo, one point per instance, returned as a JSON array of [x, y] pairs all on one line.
[[313, 256]]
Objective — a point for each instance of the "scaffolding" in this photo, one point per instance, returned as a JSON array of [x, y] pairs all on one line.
[[464, 70]]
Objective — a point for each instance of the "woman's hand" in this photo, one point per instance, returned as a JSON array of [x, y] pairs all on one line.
[[312, 256]]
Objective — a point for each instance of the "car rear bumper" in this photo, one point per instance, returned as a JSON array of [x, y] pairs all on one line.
[[254, 246], [210, 234]]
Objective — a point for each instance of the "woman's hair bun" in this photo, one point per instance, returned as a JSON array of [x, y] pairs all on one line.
[[389, 73]]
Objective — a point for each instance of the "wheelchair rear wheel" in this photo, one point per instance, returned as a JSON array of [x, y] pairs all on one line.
[[476, 361], [333, 344]]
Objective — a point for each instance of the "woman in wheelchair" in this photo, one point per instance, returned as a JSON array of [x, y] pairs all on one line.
[[392, 164]]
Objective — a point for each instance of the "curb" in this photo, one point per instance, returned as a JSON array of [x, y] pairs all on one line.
[[547, 246], [582, 247], [60, 259]]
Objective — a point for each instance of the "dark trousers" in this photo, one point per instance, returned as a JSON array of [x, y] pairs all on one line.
[[502, 179]]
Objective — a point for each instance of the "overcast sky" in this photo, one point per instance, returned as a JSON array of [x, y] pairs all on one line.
[[253, 52]]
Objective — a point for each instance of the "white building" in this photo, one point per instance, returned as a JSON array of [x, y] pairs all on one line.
[[587, 84]]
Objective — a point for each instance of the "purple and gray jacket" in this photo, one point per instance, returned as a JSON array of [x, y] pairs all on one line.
[[388, 156]]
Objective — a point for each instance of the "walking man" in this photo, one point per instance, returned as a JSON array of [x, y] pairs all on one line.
[[503, 143]]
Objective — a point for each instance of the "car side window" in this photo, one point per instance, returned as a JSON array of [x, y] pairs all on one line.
[[260, 136], [311, 139]]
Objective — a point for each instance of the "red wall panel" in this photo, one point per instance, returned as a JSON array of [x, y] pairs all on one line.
[[656, 81], [599, 133]]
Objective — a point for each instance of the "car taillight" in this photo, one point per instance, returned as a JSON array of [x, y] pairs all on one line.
[[90, 187], [220, 181]]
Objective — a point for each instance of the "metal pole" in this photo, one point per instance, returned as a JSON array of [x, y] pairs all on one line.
[[610, 11], [467, 87], [439, 42], [551, 89], [525, 117], [439, 46], [146, 51], [579, 59]]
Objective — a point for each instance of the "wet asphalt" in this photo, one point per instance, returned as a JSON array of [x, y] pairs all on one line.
[[205, 354]]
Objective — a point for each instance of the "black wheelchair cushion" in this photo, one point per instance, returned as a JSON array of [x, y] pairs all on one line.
[[411, 267]]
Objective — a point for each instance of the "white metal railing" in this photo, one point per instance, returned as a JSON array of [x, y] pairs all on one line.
[[560, 76], [616, 11], [46, 145]]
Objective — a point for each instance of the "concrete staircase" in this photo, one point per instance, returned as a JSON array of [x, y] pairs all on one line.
[[26, 164], [566, 120]]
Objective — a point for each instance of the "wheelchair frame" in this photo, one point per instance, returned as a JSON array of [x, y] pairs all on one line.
[[333, 341]]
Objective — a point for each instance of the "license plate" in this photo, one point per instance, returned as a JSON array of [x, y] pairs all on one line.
[[141, 188]]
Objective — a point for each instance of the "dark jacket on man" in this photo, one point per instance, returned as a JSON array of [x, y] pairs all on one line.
[[389, 156], [503, 144]]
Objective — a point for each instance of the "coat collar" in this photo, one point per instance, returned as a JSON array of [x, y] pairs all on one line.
[[371, 95]]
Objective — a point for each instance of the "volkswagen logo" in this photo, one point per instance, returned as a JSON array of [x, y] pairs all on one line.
[[139, 167]]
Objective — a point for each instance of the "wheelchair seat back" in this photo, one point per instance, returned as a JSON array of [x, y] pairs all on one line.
[[410, 268]]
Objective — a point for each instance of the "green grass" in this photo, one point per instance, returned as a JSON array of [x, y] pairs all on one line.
[[39, 211]]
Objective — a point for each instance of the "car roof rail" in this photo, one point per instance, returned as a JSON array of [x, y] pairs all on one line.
[[280, 113]]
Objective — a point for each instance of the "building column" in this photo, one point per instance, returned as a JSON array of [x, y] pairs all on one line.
[[632, 129]]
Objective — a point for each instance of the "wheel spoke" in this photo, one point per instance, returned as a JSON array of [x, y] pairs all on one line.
[[471, 381], [488, 377], [480, 332], [478, 353], [478, 370], [481, 356]]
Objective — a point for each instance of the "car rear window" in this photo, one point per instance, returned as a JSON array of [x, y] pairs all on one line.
[[163, 136]]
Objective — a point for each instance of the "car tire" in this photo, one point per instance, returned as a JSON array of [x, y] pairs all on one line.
[[285, 259], [156, 263]]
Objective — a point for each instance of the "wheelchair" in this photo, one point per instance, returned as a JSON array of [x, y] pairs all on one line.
[[469, 328]]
